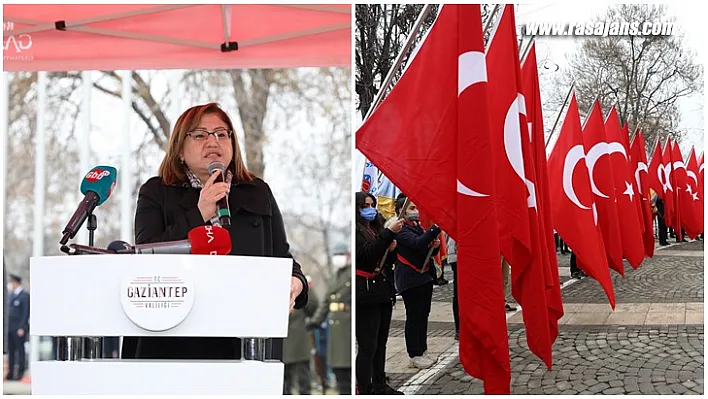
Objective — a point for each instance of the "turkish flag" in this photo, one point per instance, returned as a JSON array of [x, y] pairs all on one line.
[[668, 183], [574, 214], [625, 192], [655, 174], [603, 187], [638, 157], [515, 188], [700, 172], [686, 194], [696, 190], [534, 116], [441, 159]]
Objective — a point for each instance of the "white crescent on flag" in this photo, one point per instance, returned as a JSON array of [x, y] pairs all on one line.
[[641, 166], [594, 155], [512, 144], [571, 161], [471, 69]]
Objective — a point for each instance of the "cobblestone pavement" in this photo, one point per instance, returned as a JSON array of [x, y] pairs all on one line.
[[660, 279], [609, 358]]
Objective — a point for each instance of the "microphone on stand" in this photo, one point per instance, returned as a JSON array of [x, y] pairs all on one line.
[[96, 187], [202, 240]]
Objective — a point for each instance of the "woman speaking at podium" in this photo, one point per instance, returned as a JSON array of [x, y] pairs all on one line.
[[184, 195]]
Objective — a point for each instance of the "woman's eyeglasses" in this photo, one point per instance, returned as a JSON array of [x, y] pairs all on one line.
[[203, 134]]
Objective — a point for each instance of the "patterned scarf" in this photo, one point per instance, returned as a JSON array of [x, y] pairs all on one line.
[[195, 183]]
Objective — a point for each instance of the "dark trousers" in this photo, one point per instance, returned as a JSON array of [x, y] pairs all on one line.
[[573, 264], [417, 302], [16, 355], [372, 325], [297, 374], [344, 380], [455, 305], [663, 234]]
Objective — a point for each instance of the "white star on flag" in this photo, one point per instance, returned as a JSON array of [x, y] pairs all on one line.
[[629, 191]]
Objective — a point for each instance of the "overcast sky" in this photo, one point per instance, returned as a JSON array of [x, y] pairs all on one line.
[[559, 49]]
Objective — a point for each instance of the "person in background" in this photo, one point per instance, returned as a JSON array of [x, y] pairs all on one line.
[[413, 281], [297, 348], [374, 303], [17, 327], [337, 303], [452, 261]]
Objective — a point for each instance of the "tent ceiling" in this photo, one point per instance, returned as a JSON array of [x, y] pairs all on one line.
[[134, 36]]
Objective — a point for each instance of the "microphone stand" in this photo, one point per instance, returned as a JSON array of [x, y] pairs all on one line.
[[93, 346]]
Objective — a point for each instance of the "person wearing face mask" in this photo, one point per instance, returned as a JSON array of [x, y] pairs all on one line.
[[414, 282], [184, 195], [374, 305]]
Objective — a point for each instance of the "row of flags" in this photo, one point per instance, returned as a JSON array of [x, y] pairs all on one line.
[[461, 133]]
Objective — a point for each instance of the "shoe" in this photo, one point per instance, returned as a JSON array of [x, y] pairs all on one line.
[[457, 335], [575, 275], [442, 281], [421, 362], [432, 358], [663, 244], [509, 308]]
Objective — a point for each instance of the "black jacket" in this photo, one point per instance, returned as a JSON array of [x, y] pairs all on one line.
[[168, 213], [413, 246], [18, 312], [369, 251]]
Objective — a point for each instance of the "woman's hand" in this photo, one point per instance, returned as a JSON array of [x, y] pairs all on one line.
[[435, 243], [397, 225], [210, 194], [295, 290], [392, 246]]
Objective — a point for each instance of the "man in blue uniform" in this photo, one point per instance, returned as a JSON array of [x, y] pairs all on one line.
[[18, 327]]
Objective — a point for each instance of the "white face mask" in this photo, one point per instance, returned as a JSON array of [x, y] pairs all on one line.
[[339, 261], [10, 287]]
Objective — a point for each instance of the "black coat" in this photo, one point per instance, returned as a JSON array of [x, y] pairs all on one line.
[[414, 245], [18, 313], [168, 213], [369, 251]]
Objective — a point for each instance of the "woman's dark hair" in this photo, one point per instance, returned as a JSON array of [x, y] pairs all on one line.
[[376, 225], [400, 200]]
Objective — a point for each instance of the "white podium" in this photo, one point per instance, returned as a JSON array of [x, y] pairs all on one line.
[[159, 295]]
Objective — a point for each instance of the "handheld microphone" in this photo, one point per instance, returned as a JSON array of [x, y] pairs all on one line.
[[96, 187], [203, 240], [86, 250], [222, 206]]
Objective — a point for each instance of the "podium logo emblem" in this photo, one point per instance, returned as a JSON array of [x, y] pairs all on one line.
[[157, 303]]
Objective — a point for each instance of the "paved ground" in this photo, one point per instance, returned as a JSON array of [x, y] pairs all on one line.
[[651, 344]]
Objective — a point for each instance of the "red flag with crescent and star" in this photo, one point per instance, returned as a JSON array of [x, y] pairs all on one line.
[[572, 204], [440, 157], [626, 199], [517, 204], [602, 185], [534, 115], [638, 157]]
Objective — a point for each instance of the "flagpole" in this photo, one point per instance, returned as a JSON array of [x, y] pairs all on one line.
[[399, 59], [555, 124], [527, 49], [399, 216]]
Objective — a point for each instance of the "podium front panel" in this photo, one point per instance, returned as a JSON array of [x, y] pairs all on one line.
[[214, 296], [157, 377]]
